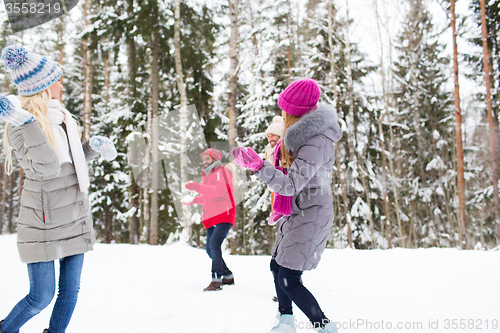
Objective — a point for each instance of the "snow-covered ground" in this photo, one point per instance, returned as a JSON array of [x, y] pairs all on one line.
[[144, 288]]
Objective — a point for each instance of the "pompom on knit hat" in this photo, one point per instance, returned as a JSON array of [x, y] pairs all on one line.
[[299, 97], [30, 72], [214, 153], [277, 126]]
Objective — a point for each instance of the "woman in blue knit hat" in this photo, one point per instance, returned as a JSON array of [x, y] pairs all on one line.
[[55, 221]]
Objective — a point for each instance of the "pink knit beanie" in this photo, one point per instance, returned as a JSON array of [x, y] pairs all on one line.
[[299, 97], [214, 153]]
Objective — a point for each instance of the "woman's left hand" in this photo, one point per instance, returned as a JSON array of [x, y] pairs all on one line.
[[104, 146], [247, 158]]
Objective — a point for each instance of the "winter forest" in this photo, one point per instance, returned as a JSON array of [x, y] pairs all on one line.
[[419, 161]]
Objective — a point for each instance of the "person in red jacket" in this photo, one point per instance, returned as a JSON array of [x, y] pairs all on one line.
[[219, 212]]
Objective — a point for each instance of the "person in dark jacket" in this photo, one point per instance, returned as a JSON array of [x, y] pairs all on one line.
[[219, 212], [307, 154], [54, 220]]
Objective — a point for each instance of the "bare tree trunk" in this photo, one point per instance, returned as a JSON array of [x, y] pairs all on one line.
[[108, 223], [387, 224], [146, 167], [183, 118], [412, 225], [259, 83], [233, 75], [350, 85], [88, 98], [233, 95], [87, 79], [331, 14], [154, 139], [493, 127], [134, 190], [288, 49], [344, 194], [369, 203], [106, 75], [144, 214], [394, 186], [85, 70], [458, 134], [60, 42], [133, 220], [351, 134], [394, 174]]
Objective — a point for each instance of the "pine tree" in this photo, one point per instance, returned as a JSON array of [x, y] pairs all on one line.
[[480, 160], [426, 132]]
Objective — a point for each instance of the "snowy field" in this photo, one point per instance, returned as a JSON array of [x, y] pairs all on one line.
[[143, 289]]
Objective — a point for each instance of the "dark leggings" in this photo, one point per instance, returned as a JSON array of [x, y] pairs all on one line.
[[289, 288]]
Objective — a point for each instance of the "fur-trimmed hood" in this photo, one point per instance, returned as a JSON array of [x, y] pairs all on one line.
[[323, 121]]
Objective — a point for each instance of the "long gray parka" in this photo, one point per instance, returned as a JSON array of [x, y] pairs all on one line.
[[54, 217], [301, 237]]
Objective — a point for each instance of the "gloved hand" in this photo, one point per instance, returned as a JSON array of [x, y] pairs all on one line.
[[103, 146], [11, 111], [188, 200], [275, 216], [192, 186], [247, 158]]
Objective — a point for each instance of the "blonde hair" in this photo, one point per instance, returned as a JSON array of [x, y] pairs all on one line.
[[38, 106], [286, 156]]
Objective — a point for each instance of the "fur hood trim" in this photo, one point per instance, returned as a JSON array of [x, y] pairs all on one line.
[[323, 120]]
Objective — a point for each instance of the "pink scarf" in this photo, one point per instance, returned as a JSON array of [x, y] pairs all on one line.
[[282, 204]]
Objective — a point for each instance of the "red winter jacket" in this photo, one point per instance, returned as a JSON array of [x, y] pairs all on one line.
[[217, 197]]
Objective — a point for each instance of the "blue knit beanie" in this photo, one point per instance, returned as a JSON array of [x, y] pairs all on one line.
[[30, 72]]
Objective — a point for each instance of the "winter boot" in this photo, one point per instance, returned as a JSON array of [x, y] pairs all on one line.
[[229, 279], [286, 324], [214, 286], [329, 328]]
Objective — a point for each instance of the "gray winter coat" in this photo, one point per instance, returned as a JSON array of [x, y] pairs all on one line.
[[54, 216], [301, 237]]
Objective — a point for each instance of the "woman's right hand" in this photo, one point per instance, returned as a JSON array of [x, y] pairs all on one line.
[[247, 158], [274, 217], [11, 111]]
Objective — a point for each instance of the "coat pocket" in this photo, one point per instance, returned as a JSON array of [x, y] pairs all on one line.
[[305, 201]]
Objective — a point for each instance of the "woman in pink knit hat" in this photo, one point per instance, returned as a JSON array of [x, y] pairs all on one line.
[[305, 220], [219, 212]]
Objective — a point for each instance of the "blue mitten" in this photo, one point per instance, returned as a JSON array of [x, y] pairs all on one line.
[[104, 146], [11, 111]]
